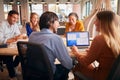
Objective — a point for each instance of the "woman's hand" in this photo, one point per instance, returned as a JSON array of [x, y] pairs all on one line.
[[75, 50], [77, 53], [87, 50]]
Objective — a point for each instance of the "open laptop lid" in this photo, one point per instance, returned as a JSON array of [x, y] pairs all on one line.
[[80, 39], [61, 31]]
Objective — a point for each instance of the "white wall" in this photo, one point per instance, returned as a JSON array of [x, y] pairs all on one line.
[[24, 11], [118, 7], [1, 11]]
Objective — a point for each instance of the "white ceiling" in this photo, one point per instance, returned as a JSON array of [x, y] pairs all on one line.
[[47, 1], [60, 1]]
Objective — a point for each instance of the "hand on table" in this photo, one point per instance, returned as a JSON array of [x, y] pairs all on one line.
[[74, 50], [11, 40], [21, 36]]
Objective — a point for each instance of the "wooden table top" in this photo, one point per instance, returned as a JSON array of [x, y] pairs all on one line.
[[8, 51]]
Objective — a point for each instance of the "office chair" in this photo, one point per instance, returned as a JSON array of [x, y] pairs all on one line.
[[113, 75], [80, 76], [61, 31], [115, 71], [34, 61]]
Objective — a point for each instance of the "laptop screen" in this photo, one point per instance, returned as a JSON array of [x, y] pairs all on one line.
[[77, 38]]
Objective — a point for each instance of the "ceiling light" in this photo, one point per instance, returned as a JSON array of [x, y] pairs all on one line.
[[43, 1], [18, 2], [68, 1], [11, 2], [30, 1], [57, 1]]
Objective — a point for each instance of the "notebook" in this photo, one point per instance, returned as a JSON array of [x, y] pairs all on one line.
[[80, 39]]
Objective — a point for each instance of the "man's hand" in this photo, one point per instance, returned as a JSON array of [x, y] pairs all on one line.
[[11, 40], [21, 36]]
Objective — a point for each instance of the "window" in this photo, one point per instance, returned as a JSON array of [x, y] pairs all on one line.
[[38, 8], [114, 5], [62, 10], [88, 7], [7, 8]]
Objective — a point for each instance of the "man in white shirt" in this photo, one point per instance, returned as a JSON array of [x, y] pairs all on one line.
[[9, 32]]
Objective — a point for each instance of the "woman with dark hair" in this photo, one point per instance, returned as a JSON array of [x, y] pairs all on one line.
[[74, 23], [104, 49]]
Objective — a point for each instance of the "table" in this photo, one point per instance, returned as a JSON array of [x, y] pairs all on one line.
[[11, 49], [8, 51]]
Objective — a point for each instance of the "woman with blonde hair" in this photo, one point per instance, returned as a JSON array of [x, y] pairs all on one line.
[[33, 24], [104, 49]]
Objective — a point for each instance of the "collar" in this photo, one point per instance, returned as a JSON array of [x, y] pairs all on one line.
[[46, 31]]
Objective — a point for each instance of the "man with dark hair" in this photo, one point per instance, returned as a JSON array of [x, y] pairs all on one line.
[[48, 24], [9, 32]]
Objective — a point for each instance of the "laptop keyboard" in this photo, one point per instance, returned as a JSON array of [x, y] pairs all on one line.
[[82, 50]]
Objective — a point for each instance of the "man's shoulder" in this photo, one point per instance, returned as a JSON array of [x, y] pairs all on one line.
[[3, 23], [55, 35], [48, 35]]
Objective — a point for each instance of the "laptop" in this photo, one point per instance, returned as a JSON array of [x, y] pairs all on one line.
[[79, 39], [61, 31]]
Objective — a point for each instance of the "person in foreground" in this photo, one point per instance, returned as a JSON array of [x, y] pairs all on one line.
[[74, 23], [48, 25], [9, 32], [33, 24], [104, 49]]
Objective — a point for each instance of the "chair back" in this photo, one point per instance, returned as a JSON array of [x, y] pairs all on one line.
[[115, 71], [113, 75], [34, 61]]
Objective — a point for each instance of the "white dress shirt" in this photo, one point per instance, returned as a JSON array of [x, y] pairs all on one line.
[[8, 31]]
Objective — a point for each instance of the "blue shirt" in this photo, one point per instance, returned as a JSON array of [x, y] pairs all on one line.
[[56, 46], [28, 29]]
